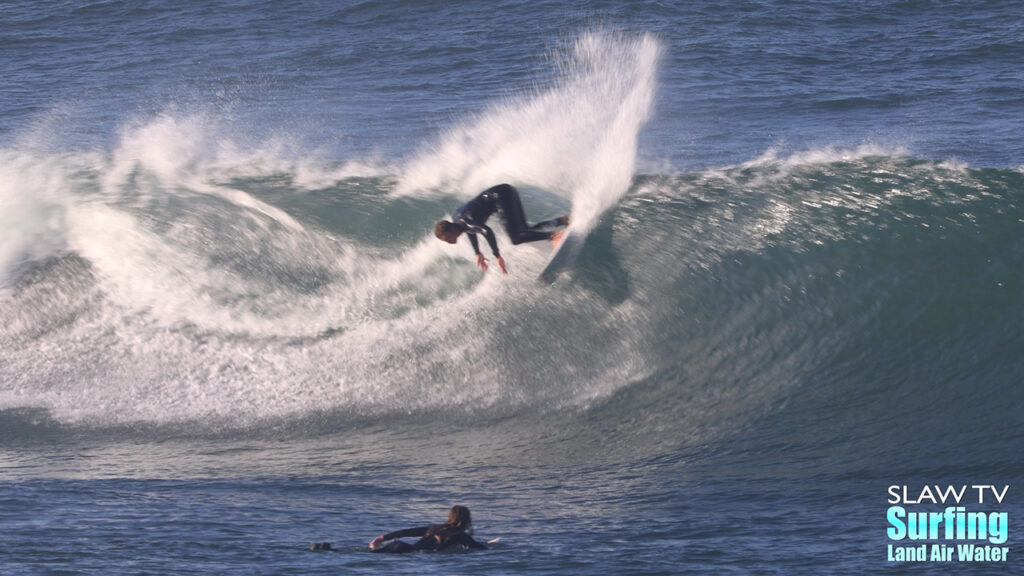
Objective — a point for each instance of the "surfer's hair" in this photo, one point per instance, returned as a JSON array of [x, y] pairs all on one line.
[[458, 517], [442, 228], [459, 522]]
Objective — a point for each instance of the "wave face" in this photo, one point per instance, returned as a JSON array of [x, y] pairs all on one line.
[[237, 293]]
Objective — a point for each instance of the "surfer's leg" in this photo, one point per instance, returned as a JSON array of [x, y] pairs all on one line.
[[514, 219], [554, 223]]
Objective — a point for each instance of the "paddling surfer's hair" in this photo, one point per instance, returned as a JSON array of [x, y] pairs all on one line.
[[459, 516], [459, 521]]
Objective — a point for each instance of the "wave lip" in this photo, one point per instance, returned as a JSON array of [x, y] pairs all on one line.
[[33, 196], [576, 138]]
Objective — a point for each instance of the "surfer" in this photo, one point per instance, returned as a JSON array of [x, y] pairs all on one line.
[[504, 199], [455, 532]]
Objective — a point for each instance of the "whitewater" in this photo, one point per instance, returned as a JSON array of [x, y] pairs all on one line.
[[171, 240]]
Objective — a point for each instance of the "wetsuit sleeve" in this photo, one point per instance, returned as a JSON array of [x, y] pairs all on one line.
[[489, 234], [407, 533], [475, 229]]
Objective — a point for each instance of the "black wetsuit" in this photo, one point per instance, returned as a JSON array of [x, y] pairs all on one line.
[[504, 199], [430, 538]]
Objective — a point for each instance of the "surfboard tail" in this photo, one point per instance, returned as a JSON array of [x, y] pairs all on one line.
[[563, 258]]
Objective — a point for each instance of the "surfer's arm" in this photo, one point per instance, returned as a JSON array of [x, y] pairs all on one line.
[[481, 262], [407, 533], [492, 241], [474, 228], [474, 243]]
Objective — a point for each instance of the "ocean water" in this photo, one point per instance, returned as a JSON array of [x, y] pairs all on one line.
[[228, 332]]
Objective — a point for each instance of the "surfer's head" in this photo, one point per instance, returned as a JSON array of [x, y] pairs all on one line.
[[459, 522], [447, 231], [459, 517]]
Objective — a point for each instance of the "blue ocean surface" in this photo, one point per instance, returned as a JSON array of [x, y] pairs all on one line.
[[228, 332]]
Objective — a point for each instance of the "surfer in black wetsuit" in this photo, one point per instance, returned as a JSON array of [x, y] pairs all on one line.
[[454, 532], [504, 199]]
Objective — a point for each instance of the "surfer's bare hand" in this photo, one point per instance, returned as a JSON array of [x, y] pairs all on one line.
[[481, 262], [376, 542], [501, 264]]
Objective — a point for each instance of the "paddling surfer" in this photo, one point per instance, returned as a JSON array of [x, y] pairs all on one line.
[[455, 532]]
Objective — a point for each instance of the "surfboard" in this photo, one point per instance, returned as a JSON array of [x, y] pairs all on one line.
[[563, 257]]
